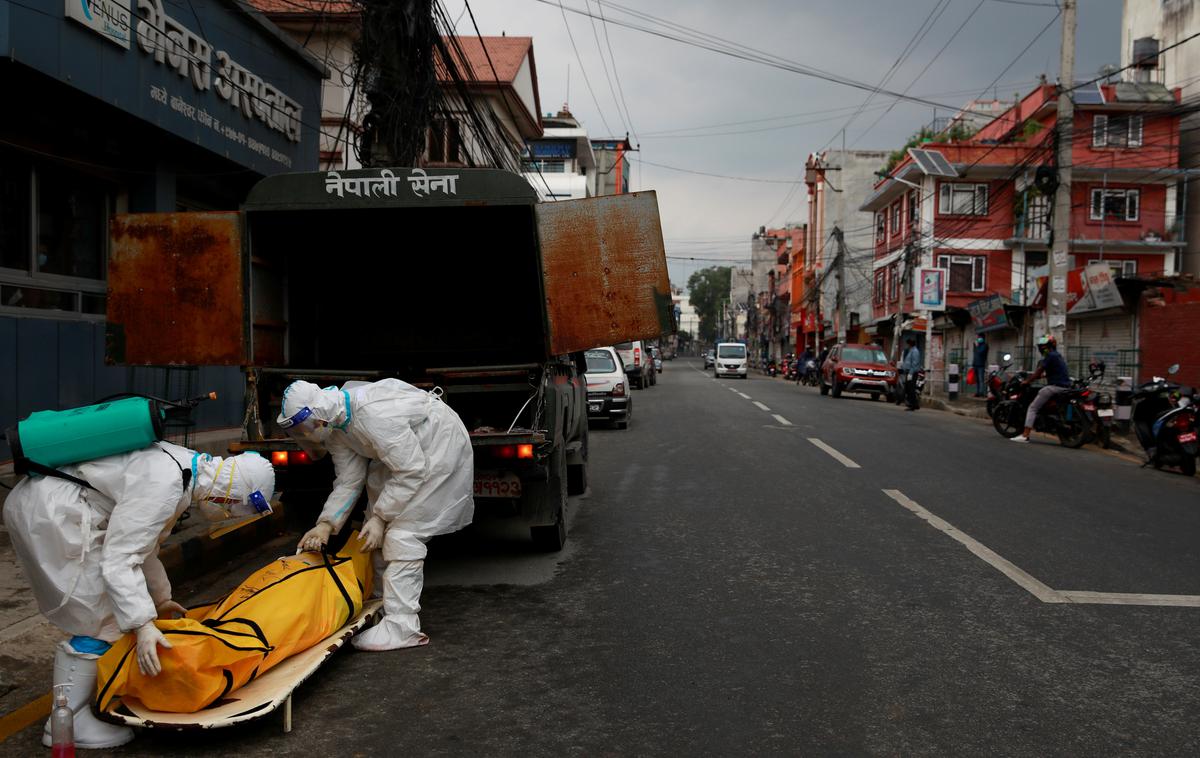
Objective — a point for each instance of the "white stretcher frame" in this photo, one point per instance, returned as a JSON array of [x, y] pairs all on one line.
[[259, 698]]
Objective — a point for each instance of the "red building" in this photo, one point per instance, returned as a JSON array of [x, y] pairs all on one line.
[[989, 226]]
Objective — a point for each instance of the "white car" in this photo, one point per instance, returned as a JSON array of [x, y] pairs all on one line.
[[730, 360], [607, 388]]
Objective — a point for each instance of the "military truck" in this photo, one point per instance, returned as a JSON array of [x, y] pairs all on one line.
[[457, 279]]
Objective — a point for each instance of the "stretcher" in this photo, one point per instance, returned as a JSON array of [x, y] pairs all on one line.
[[261, 697]]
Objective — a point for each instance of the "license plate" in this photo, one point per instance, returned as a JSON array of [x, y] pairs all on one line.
[[497, 485], [595, 407], [1187, 437], [1104, 412]]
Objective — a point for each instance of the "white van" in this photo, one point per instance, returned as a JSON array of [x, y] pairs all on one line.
[[731, 360]]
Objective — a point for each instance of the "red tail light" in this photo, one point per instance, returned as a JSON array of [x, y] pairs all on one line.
[[525, 452], [637, 356], [299, 457], [1183, 421], [279, 458], [619, 390], [505, 451]]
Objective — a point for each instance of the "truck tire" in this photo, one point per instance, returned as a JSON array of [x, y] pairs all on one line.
[[551, 538], [577, 472]]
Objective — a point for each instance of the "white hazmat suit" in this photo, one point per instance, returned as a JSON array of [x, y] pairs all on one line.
[[91, 555], [413, 454]]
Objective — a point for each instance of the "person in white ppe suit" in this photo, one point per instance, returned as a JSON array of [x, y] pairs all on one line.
[[91, 554], [413, 454]]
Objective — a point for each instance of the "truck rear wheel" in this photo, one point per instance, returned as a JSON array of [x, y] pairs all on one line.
[[551, 538]]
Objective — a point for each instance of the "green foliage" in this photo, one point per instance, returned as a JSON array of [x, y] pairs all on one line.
[[957, 133], [1030, 129], [708, 289]]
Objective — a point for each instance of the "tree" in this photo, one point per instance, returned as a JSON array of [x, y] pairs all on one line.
[[708, 290]]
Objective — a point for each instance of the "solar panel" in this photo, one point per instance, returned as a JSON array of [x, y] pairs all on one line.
[[1090, 94], [932, 163]]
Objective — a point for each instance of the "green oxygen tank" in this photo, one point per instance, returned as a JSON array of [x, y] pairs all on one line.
[[56, 438]]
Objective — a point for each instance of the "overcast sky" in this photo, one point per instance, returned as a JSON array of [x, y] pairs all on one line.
[[671, 88]]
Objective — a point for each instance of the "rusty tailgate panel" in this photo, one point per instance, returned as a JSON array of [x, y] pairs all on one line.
[[605, 271], [175, 292]]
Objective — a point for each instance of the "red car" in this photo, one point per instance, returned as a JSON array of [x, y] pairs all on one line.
[[858, 368]]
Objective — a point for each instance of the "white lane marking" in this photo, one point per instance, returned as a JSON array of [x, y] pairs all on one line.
[[1031, 584], [743, 394], [761, 406], [781, 419], [986, 554], [836, 455], [733, 389], [1130, 598]]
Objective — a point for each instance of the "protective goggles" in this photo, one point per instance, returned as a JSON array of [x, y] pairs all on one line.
[[256, 500], [299, 417]]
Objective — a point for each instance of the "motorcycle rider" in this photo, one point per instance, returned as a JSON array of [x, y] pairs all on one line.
[[802, 364], [1058, 381]]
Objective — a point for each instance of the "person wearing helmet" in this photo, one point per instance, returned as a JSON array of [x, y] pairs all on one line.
[[1058, 381], [90, 554], [413, 454]]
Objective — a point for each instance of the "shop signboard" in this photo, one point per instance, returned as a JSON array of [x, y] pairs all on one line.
[[107, 18], [212, 73], [1092, 288]]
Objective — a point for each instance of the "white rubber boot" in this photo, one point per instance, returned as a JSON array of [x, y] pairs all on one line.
[[400, 626], [79, 671]]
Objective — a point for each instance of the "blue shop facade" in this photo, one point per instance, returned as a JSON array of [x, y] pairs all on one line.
[[119, 106]]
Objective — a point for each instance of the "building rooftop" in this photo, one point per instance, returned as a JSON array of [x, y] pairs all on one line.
[[506, 53]]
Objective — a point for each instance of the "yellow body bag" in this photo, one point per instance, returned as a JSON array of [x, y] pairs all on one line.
[[282, 609]]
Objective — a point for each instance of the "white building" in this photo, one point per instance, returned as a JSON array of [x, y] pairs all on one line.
[[561, 164]]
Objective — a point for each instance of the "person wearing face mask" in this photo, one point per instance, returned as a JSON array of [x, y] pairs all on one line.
[[413, 454], [88, 545]]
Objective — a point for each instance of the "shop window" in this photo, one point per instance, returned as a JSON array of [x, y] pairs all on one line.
[[53, 238], [14, 213], [1118, 267], [968, 273], [959, 199], [1114, 205], [1116, 131], [445, 145], [71, 226]]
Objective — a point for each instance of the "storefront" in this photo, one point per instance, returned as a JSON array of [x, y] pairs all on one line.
[[117, 106]]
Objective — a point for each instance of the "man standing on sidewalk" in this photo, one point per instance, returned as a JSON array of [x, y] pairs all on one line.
[[910, 366], [979, 363]]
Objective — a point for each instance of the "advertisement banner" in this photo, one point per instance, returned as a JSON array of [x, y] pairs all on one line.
[[1092, 288], [988, 313], [931, 291]]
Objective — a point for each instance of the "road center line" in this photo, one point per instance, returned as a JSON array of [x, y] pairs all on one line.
[[983, 552], [834, 453], [743, 394], [781, 419], [761, 406]]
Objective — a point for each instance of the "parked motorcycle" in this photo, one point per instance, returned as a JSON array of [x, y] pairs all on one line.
[[996, 383], [1098, 405], [1164, 420], [789, 368], [1063, 416], [772, 368]]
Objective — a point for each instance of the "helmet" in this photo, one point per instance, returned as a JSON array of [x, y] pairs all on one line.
[[1046, 343]]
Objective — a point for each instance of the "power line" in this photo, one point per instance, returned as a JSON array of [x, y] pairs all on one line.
[[617, 76], [582, 70], [718, 176], [604, 64]]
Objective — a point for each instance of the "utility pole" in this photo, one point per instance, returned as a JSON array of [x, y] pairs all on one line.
[[905, 273], [1056, 304], [841, 275]]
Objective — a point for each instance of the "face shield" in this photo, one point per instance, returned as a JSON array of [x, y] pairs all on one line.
[[307, 430], [241, 489]]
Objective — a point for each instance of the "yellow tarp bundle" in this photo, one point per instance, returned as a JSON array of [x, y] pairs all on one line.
[[282, 609]]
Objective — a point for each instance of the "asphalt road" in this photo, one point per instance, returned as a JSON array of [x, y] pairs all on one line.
[[733, 588]]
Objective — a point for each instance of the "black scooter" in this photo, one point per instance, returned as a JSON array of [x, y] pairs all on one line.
[[1164, 420]]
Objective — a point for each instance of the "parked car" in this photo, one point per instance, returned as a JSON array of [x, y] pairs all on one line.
[[657, 354], [634, 358], [731, 360], [710, 358], [607, 388], [858, 368]]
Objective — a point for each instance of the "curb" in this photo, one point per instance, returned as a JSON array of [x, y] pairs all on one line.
[[197, 555], [937, 404]]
